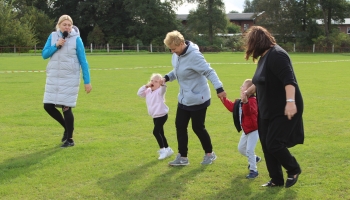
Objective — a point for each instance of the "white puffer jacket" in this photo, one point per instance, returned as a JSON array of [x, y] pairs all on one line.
[[63, 72]]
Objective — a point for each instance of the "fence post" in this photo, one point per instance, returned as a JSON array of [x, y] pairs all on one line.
[[294, 48], [122, 47], [151, 47], [91, 47], [107, 47], [137, 47], [313, 48], [14, 48], [333, 48]]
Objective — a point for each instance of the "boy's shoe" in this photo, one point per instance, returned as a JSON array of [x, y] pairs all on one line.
[[252, 174], [65, 136], [67, 144], [179, 161], [208, 159], [169, 151], [257, 160], [162, 154]]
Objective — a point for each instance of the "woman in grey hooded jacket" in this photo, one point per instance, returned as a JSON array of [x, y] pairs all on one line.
[[192, 73], [66, 51]]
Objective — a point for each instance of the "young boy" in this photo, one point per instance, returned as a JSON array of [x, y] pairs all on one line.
[[245, 117]]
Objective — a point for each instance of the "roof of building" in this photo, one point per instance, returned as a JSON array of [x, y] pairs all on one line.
[[230, 16]]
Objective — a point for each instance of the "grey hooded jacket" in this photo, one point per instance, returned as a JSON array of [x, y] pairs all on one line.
[[192, 73]]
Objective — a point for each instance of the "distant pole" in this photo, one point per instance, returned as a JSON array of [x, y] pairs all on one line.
[[333, 48], [122, 47], [91, 47], [107, 47], [313, 48], [294, 47], [151, 47], [34, 49], [137, 47], [14, 48]]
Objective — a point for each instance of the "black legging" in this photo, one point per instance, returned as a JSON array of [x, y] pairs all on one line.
[[158, 131], [198, 120], [66, 121]]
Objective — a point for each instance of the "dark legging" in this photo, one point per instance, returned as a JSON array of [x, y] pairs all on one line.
[[66, 121], [158, 131], [198, 119]]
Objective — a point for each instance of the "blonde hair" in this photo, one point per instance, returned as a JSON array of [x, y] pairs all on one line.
[[61, 19], [174, 37], [248, 82], [156, 75]]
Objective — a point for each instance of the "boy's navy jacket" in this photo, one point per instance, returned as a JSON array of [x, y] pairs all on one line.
[[249, 114]]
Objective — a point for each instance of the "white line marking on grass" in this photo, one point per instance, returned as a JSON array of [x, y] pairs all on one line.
[[135, 68]]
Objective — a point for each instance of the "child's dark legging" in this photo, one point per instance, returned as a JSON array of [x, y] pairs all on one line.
[[158, 131], [66, 121]]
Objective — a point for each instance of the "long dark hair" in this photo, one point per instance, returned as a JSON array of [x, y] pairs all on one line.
[[256, 41]]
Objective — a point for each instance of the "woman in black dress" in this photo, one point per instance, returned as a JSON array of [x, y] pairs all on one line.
[[280, 105]]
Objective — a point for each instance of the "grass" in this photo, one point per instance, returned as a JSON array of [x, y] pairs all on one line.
[[115, 153]]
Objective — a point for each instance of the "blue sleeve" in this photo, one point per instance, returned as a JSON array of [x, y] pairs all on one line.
[[48, 50], [82, 60]]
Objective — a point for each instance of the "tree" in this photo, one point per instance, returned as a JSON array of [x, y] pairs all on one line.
[[335, 10], [208, 19], [96, 36], [152, 19], [42, 24], [12, 30]]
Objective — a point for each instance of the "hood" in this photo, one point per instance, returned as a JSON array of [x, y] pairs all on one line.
[[191, 47], [74, 32]]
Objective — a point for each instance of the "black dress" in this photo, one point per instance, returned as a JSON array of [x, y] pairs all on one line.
[[273, 73]]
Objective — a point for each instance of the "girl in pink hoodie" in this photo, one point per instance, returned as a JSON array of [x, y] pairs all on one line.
[[154, 93]]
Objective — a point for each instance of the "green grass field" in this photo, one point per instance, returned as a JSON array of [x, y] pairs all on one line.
[[115, 154]]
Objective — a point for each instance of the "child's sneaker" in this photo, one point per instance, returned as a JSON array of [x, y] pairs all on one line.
[[252, 174], [208, 159], [179, 161], [169, 151], [162, 153], [257, 160]]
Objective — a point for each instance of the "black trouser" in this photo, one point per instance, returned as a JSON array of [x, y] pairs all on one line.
[[275, 151], [66, 121], [158, 131], [198, 119]]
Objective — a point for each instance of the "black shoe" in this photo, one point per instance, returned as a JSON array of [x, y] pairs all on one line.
[[67, 144], [291, 180], [270, 184], [65, 136]]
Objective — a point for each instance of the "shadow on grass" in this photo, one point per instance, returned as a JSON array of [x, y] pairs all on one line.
[[14, 167], [240, 189], [131, 184]]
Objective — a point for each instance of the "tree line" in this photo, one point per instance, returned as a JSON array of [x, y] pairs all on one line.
[[131, 22]]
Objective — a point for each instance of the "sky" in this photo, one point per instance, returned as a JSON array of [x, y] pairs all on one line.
[[230, 5]]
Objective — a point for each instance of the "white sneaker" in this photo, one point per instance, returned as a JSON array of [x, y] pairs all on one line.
[[169, 151], [162, 153]]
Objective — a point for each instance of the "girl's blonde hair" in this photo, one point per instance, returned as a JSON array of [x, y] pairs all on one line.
[[174, 37], [156, 75], [61, 19]]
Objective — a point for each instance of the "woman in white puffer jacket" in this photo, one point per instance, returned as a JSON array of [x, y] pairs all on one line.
[[66, 51]]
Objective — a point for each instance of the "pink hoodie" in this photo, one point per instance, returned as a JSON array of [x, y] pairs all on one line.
[[154, 100]]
